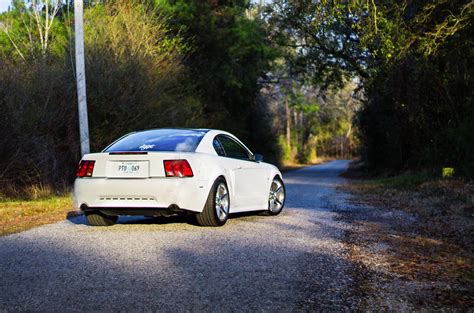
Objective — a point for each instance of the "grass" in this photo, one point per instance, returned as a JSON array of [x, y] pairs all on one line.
[[290, 166], [21, 215], [403, 181]]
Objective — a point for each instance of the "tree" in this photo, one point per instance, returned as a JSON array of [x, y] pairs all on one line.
[[136, 80], [28, 26], [229, 55], [409, 58]]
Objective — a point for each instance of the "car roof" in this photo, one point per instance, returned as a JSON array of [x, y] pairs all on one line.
[[173, 128]]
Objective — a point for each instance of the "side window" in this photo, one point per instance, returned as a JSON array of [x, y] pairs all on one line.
[[218, 147], [233, 149]]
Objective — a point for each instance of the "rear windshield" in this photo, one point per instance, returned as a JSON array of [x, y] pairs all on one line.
[[179, 140]]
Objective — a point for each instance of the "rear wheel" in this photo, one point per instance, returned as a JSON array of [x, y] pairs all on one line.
[[100, 219], [276, 199], [216, 209]]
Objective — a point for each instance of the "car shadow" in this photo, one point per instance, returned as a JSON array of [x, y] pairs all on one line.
[[80, 219], [138, 220]]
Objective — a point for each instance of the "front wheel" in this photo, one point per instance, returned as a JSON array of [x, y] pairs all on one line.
[[276, 199], [216, 209]]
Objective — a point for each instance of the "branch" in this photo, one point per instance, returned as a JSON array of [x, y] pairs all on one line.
[[38, 21], [28, 29], [49, 22], [5, 30]]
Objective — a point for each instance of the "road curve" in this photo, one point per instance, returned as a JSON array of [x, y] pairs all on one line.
[[295, 261]]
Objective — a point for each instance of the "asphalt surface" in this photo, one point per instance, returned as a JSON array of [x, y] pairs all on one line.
[[292, 262]]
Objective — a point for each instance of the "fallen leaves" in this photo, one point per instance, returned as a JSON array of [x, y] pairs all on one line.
[[417, 243]]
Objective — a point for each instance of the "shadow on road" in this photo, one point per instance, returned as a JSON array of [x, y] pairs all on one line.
[[116, 271], [80, 219]]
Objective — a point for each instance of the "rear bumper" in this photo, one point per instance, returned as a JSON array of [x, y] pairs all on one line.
[[186, 193]]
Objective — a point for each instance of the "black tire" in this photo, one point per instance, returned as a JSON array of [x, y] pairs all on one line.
[[278, 211], [100, 219], [208, 216]]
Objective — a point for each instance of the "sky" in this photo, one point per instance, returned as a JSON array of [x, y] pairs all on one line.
[[4, 5]]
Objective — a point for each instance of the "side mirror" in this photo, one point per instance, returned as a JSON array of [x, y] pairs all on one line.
[[257, 157]]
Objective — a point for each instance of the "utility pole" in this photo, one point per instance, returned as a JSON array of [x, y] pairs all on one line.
[[81, 77]]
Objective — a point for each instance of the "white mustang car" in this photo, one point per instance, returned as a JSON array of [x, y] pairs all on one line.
[[208, 173]]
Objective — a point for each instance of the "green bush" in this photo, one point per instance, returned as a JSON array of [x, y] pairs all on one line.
[[135, 79]]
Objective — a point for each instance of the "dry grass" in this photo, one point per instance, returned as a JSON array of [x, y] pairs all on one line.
[[20, 215], [423, 273], [444, 208], [419, 231]]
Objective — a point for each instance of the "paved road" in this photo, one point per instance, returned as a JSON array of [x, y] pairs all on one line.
[[295, 261]]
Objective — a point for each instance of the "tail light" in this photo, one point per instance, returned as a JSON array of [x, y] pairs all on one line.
[[85, 169], [177, 168]]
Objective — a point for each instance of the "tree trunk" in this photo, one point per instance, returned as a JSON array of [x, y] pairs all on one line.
[[295, 125], [303, 133], [288, 124], [342, 147]]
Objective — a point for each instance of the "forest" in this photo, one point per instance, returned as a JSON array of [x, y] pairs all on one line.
[[390, 82]]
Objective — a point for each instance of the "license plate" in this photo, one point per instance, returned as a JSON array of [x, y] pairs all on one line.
[[124, 169], [129, 167]]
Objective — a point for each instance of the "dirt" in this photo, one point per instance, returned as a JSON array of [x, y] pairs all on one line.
[[414, 247]]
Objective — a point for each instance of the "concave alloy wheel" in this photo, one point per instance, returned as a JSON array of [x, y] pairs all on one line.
[[217, 207], [276, 199], [221, 202]]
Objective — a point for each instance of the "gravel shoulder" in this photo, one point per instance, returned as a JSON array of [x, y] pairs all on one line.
[[295, 261]]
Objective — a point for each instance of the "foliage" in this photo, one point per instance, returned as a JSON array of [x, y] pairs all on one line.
[[229, 55], [321, 35], [38, 144], [411, 60], [136, 79], [447, 172], [30, 30], [286, 150], [134, 66], [406, 181], [286, 77], [148, 64], [319, 121], [419, 98], [316, 91]]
